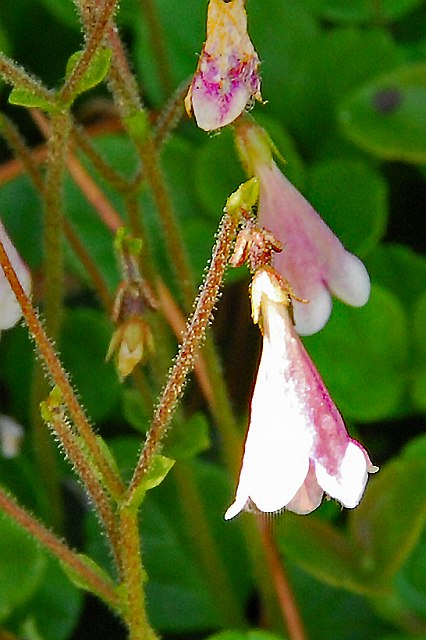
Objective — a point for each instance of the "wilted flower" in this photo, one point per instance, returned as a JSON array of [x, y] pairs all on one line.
[[297, 446], [227, 77], [131, 343], [10, 310], [314, 260]]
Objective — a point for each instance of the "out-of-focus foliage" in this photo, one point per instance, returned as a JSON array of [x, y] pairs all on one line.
[[345, 85]]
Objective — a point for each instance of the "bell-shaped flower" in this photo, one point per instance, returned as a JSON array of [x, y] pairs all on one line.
[[297, 446], [313, 260], [227, 77], [10, 310]]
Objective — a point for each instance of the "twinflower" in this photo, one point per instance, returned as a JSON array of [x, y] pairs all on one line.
[[227, 76], [314, 260], [10, 311], [297, 446]]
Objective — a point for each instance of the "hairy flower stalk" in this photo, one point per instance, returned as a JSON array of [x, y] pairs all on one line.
[[227, 77], [10, 309], [297, 446], [314, 261]]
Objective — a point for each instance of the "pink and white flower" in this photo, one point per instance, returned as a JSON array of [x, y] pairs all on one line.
[[10, 311], [297, 445], [313, 260], [227, 76]]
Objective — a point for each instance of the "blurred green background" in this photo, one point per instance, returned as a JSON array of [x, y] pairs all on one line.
[[345, 85]]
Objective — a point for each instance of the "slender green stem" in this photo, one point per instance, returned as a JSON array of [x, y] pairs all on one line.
[[75, 563], [54, 277], [133, 576], [89, 264], [170, 114], [172, 233], [158, 45], [84, 142], [75, 450], [53, 222], [55, 369], [121, 80], [191, 341], [17, 144]]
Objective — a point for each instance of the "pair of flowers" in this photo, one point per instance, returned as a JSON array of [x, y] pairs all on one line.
[[297, 446]]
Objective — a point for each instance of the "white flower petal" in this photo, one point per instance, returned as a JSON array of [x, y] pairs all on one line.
[[349, 280], [10, 310], [311, 316], [348, 484], [309, 496], [276, 455]]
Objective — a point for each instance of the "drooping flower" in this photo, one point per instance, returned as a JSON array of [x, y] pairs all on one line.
[[132, 342], [227, 76], [297, 445], [10, 311], [313, 260]]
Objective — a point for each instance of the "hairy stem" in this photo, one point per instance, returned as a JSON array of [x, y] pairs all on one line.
[[53, 222], [55, 369], [75, 563], [191, 341], [133, 576], [93, 42], [18, 77], [17, 144]]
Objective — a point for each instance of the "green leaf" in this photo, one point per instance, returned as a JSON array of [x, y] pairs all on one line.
[[253, 634], [183, 32], [55, 608], [410, 581], [137, 415], [63, 11], [79, 581], [362, 10], [218, 171], [83, 345], [182, 600], [360, 348], [188, 438], [159, 468], [321, 550], [419, 384], [330, 612], [95, 72], [21, 566], [388, 116], [285, 53], [387, 524], [352, 199], [401, 270], [416, 448], [25, 98]]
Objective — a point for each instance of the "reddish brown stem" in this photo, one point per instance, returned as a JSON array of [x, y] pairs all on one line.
[[59, 549], [283, 588], [186, 356], [93, 43], [112, 481]]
